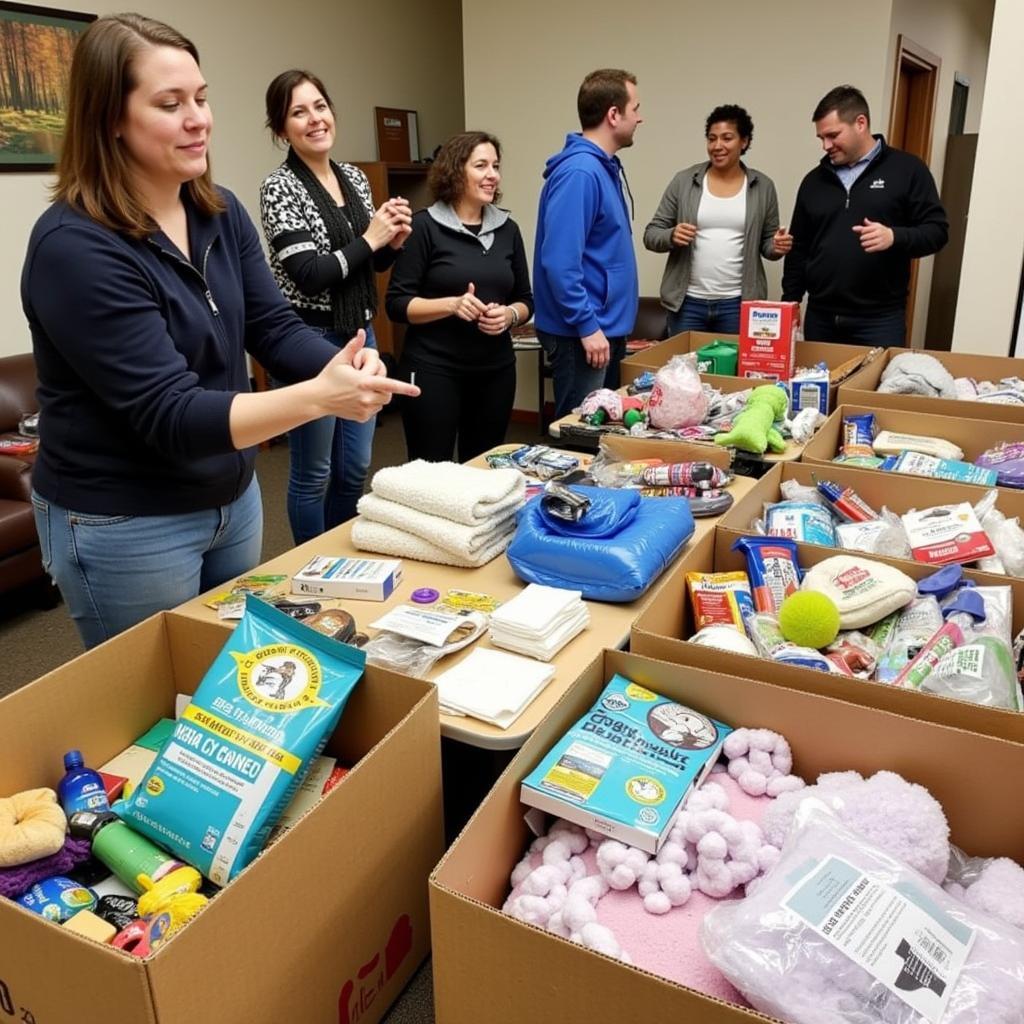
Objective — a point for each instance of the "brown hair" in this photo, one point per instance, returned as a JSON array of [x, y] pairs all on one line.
[[601, 90], [279, 97], [93, 173], [847, 101], [447, 178]]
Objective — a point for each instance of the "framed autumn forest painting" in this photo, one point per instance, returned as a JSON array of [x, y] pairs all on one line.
[[35, 61]]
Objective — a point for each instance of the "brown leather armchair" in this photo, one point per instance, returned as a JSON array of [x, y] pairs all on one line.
[[20, 562]]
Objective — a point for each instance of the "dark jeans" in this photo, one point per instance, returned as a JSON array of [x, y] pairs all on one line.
[[720, 316], [885, 330], [463, 407], [572, 376]]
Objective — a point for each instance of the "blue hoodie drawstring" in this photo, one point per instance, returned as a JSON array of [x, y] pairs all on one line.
[[625, 181]]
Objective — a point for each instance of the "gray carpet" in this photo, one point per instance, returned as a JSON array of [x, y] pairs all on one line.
[[35, 641]]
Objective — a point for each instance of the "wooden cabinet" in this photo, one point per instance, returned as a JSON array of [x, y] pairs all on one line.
[[386, 180]]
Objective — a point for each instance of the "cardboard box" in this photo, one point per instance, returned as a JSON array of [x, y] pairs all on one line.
[[359, 579], [325, 927], [489, 967], [663, 628], [973, 436], [859, 389], [768, 333]]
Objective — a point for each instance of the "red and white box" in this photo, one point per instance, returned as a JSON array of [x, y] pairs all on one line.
[[947, 533], [768, 335]]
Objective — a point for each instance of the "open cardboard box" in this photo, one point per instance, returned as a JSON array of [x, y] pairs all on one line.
[[973, 436], [489, 967], [898, 492], [663, 630], [325, 927], [842, 360], [860, 389]]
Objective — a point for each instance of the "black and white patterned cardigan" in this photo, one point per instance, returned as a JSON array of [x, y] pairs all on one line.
[[304, 265]]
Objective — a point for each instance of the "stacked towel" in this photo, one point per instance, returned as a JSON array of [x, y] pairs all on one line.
[[440, 512], [539, 622]]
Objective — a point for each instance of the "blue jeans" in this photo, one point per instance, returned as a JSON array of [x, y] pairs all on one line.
[[719, 316], [330, 459], [572, 376], [885, 330], [114, 571]]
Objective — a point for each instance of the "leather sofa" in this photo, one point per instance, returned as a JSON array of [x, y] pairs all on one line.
[[20, 562]]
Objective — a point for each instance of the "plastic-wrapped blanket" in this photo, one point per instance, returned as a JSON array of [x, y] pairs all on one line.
[[619, 547], [839, 932]]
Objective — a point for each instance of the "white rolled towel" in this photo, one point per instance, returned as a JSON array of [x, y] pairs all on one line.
[[458, 538], [463, 494], [386, 540]]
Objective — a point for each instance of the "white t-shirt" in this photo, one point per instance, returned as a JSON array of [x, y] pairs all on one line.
[[716, 265]]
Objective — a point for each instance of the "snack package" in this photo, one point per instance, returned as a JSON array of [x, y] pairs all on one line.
[[796, 946], [719, 598], [243, 745]]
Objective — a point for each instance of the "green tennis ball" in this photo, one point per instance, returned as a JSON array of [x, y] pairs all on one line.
[[809, 619]]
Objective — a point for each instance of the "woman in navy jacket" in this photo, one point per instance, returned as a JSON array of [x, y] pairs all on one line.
[[144, 286]]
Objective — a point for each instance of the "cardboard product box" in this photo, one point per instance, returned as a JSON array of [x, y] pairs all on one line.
[[768, 333], [360, 579], [489, 967], [325, 927], [973, 436], [662, 630], [860, 388], [899, 493]]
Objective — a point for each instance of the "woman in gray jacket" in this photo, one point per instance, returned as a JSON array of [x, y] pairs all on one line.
[[716, 220]]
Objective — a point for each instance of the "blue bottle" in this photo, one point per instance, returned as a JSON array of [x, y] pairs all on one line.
[[81, 789]]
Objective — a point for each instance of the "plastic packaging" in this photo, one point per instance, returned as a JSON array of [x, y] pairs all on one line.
[[802, 521], [773, 568], [719, 598], [702, 475], [763, 629], [677, 398], [921, 666], [81, 788], [793, 946], [58, 899], [848, 505], [724, 638], [857, 434], [919, 464], [415, 657], [1007, 538], [892, 442], [1007, 460], [913, 628]]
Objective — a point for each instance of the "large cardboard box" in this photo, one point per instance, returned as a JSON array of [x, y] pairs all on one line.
[[860, 388], [663, 630], [325, 927], [973, 436], [489, 967]]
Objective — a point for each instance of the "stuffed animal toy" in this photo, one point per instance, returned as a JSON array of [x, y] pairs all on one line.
[[753, 429], [899, 817]]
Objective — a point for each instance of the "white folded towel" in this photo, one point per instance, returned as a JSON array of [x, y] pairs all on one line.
[[539, 621], [386, 540], [463, 494], [543, 648], [458, 538]]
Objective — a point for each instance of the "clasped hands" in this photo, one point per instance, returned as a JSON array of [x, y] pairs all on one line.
[[390, 225], [490, 317]]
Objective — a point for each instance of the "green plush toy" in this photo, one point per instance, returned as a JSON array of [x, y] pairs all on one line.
[[753, 429]]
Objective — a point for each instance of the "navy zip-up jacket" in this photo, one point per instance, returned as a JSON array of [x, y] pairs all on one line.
[[140, 353], [827, 260]]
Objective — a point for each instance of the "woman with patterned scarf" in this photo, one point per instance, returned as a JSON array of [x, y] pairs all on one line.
[[325, 240]]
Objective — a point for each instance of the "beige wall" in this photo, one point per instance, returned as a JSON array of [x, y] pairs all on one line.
[[958, 32], [403, 53], [991, 273]]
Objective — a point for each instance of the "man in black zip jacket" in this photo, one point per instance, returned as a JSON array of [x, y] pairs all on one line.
[[860, 217]]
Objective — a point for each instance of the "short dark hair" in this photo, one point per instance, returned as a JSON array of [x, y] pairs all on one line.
[[93, 173], [279, 97], [846, 100], [733, 114], [447, 177], [601, 90]]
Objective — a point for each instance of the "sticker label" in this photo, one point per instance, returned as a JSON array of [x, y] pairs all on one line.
[[899, 936]]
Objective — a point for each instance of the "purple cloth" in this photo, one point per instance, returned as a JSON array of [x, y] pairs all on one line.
[[17, 881]]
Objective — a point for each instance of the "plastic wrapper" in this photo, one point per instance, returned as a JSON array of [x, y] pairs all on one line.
[[763, 629], [804, 425], [807, 521], [853, 652], [794, 491], [1006, 536], [1008, 462], [793, 947], [677, 398], [914, 627], [414, 657]]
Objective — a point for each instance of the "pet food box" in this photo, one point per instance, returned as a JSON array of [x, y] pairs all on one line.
[[972, 436], [359, 579], [490, 967], [326, 926], [768, 333], [662, 630], [860, 388]]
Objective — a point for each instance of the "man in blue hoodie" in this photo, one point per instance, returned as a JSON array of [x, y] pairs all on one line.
[[584, 267]]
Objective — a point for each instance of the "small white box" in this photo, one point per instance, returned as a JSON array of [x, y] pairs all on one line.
[[364, 579]]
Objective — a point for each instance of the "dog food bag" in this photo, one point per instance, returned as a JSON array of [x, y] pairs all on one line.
[[241, 748]]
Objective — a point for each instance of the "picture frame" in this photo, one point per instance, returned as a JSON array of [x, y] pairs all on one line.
[[36, 44], [398, 139]]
